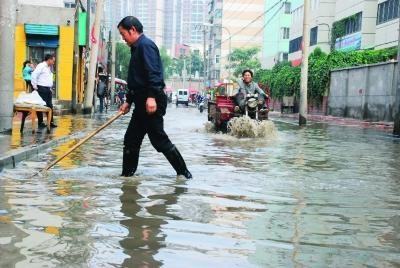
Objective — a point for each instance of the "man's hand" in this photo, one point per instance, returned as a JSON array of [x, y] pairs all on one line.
[[124, 108], [151, 105]]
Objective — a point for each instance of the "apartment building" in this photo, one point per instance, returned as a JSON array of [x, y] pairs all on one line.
[[276, 33], [322, 16], [232, 24], [114, 11], [151, 14], [387, 24], [350, 25]]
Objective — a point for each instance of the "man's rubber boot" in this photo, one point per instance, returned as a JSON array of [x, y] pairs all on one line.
[[130, 162], [177, 162]]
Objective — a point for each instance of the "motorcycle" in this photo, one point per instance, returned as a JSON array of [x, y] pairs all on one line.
[[252, 106], [201, 106]]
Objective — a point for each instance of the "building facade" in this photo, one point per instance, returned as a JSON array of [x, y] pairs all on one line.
[[151, 14], [345, 25], [232, 24], [42, 30], [322, 16], [276, 33], [387, 24]]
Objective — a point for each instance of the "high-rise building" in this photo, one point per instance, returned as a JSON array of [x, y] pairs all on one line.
[[232, 24], [151, 14], [170, 25], [115, 11]]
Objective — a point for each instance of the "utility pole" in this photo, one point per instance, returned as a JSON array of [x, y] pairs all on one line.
[[396, 127], [304, 66], [75, 76], [204, 55], [113, 56], [109, 44], [8, 16], [94, 51]]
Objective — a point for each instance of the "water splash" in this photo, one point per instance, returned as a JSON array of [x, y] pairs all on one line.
[[245, 127]]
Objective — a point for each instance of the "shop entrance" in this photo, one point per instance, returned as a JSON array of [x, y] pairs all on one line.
[[36, 55]]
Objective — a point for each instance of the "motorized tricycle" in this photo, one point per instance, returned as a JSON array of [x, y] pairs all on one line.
[[224, 108]]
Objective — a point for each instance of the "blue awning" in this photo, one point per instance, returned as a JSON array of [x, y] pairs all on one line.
[[42, 41], [41, 29]]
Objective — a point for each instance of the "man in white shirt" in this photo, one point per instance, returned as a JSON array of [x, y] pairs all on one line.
[[42, 81]]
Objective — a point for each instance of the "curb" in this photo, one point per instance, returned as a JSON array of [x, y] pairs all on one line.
[[11, 158]]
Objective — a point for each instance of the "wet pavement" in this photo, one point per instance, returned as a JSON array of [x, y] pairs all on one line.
[[321, 196]]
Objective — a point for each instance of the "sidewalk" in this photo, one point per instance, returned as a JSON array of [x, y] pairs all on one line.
[[16, 147], [339, 121]]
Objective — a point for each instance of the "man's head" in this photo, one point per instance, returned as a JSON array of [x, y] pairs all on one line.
[[50, 59], [247, 76], [130, 29]]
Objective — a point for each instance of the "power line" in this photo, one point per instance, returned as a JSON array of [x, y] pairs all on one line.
[[240, 11], [257, 18], [240, 30], [265, 25]]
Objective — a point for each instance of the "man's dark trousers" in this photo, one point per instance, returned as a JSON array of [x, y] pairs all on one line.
[[142, 123], [46, 95]]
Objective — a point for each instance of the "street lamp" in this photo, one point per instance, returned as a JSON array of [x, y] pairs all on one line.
[[230, 43]]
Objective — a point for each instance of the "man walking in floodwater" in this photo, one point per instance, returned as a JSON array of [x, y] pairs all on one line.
[[146, 91]]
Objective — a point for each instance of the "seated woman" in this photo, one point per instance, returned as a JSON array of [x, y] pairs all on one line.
[[248, 86]]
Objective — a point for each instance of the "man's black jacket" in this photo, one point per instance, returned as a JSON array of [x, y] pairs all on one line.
[[145, 74]]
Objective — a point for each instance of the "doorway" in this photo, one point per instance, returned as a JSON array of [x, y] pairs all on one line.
[[36, 55]]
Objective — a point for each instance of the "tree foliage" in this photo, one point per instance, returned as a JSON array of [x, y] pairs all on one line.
[[284, 79], [122, 57], [243, 58], [166, 62]]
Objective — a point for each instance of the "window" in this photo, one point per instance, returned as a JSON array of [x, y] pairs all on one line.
[[69, 5], [217, 74], [387, 11], [285, 32], [283, 56], [217, 58], [352, 24], [287, 7], [295, 44], [314, 36]]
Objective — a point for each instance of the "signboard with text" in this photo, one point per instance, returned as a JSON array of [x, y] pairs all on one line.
[[348, 42]]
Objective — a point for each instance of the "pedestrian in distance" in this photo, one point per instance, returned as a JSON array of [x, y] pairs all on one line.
[[146, 91], [102, 90], [27, 70], [42, 81]]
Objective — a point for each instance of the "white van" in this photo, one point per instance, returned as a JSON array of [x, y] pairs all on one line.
[[182, 96]]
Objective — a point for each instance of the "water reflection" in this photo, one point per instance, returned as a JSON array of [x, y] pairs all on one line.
[[146, 216], [321, 196]]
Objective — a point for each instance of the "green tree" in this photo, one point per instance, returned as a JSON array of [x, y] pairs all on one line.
[[244, 58], [197, 63], [122, 57], [166, 62]]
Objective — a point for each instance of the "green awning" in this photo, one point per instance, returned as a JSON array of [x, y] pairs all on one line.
[[41, 29]]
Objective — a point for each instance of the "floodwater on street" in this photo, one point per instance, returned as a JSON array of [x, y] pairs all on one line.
[[320, 196]]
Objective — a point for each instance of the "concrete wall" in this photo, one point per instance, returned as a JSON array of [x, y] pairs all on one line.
[[48, 3], [45, 15], [366, 92]]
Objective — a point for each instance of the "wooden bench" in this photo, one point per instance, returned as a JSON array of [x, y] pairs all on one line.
[[32, 109]]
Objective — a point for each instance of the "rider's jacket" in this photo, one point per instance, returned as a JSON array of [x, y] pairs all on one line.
[[250, 88]]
